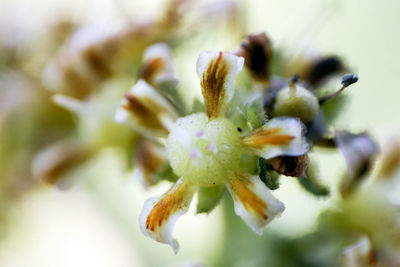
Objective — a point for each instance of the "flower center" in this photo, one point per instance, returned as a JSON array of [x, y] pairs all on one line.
[[204, 152]]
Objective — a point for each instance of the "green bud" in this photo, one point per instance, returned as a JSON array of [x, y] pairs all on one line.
[[296, 101]]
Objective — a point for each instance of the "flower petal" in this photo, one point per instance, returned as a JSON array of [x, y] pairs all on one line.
[[217, 72], [146, 111], [253, 201], [157, 64], [159, 215], [279, 136]]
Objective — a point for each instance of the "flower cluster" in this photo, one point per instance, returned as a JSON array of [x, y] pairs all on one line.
[[206, 149], [239, 142]]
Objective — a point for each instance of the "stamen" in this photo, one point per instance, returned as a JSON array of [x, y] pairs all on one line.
[[347, 80]]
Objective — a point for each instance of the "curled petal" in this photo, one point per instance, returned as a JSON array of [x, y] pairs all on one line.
[[279, 136], [253, 201], [157, 64], [145, 110], [217, 72], [159, 215]]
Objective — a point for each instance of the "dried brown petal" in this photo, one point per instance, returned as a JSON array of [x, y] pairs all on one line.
[[257, 52], [290, 166]]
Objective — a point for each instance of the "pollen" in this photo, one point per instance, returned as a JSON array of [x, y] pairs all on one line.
[[205, 152]]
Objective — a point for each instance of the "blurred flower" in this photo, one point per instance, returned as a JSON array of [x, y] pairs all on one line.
[[96, 53], [359, 152], [51, 163]]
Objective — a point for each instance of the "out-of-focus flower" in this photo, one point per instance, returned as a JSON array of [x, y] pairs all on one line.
[[359, 152], [205, 150], [54, 161], [149, 108], [146, 111], [96, 53]]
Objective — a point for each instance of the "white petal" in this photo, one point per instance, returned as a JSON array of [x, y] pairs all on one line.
[[154, 116], [278, 137], [253, 201], [159, 215], [217, 72]]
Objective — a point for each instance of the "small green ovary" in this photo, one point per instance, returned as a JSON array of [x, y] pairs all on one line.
[[204, 152], [298, 102]]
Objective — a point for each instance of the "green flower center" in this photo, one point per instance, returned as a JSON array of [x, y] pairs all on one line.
[[204, 152]]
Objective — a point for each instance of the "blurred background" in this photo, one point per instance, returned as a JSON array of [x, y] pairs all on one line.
[[91, 217]]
